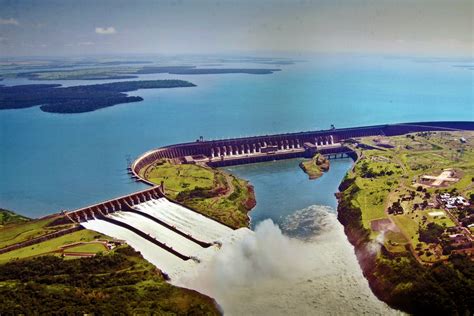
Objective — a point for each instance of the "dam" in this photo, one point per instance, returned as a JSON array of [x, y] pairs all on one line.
[[235, 151], [175, 237], [169, 235]]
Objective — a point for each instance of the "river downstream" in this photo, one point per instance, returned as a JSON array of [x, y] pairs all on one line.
[[299, 260]]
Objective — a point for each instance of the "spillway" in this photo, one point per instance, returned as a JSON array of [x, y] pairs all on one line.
[[170, 236], [159, 232], [192, 223], [161, 258]]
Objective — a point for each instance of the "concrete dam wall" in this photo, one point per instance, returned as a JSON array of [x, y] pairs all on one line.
[[218, 153], [172, 237]]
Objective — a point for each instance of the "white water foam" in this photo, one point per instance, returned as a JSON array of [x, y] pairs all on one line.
[[187, 221], [315, 272]]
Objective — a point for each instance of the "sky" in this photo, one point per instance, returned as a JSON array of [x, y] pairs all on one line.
[[86, 27]]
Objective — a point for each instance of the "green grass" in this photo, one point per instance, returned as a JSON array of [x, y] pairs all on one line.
[[50, 245], [230, 210], [407, 284], [87, 248], [408, 161], [408, 226], [15, 233], [179, 178], [212, 192]]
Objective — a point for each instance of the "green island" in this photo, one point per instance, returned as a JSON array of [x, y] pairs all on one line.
[[79, 99], [407, 207], [209, 191], [315, 167]]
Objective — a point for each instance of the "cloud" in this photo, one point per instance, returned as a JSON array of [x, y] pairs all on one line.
[[10, 21], [105, 30], [85, 43]]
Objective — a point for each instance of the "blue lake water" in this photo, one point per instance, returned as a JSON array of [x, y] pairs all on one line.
[[50, 162], [281, 187]]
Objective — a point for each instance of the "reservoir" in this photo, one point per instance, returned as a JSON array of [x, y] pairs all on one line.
[[50, 162]]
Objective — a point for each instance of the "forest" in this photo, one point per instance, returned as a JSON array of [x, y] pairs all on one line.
[[78, 99], [102, 285]]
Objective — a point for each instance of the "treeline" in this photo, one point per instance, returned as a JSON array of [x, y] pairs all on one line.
[[446, 288], [78, 99], [118, 284]]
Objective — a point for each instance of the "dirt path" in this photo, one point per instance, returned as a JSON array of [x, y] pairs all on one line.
[[228, 179]]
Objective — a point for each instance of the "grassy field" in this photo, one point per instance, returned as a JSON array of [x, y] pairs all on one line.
[[178, 178], [212, 192], [26, 230], [53, 245], [87, 248], [387, 175]]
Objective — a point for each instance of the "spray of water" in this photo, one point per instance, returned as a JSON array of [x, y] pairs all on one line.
[[305, 267], [375, 245]]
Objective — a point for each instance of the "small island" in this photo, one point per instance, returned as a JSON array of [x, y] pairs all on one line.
[[315, 167], [79, 99]]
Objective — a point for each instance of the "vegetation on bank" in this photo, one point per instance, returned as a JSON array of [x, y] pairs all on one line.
[[121, 282], [54, 246], [8, 217], [209, 191], [315, 167], [78, 99], [401, 231]]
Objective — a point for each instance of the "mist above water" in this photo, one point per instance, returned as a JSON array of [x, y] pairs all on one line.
[[306, 267]]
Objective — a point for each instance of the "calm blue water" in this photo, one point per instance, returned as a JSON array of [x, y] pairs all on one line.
[[281, 187], [50, 162]]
